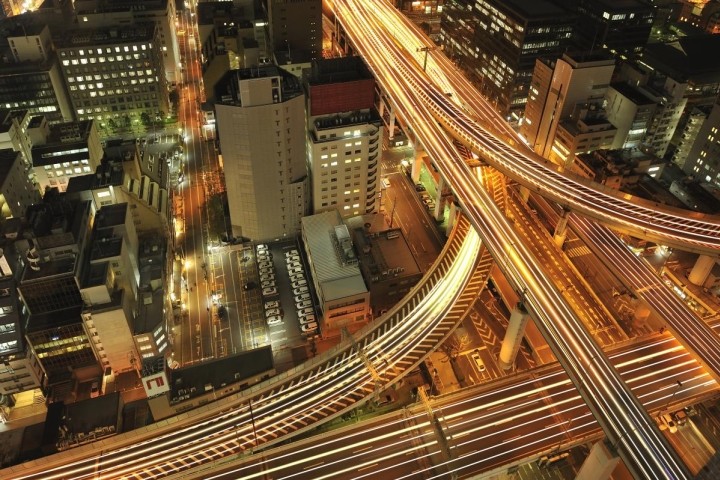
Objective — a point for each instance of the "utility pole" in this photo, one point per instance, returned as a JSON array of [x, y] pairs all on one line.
[[426, 50]]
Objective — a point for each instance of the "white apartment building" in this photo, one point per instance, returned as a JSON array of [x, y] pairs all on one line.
[[703, 160], [261, 127]]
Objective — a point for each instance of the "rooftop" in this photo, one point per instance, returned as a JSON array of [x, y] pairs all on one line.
[[530, 9], [694, 58], [137, 32]]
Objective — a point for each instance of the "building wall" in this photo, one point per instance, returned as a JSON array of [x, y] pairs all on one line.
[[345, 168], [703, 161], [296, 25], [113, 77], [112, 338], [631, 119], [695, 121], [264, 155], [16, 190]]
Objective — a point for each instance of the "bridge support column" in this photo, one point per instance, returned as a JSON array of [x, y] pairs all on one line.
[[391, 124], [417, 161], [599, 464], [439, 209], [701, 270], [561, 228], [513, 336], [524, 193], [455, 212]]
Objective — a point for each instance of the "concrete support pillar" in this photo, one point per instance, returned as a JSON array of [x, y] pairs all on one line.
[[524, 193], [701, 270], [417, 162], [513, 336], [391, 126], [439, 205], [453, 216], [599, 464], [561, 228], [381, 106]]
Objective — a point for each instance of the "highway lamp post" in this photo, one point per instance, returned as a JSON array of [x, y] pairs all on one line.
[[426, 50], [677, 389]]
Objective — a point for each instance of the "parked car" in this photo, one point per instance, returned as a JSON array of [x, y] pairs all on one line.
[[304, 312], [302, 296], [295, 270], [267, 276], [306, 319], [269, 292], [300, 290], [265, 257], [267, 283], [272, 304], [419, 187], [273, 312], [299, 283], [274, 320], [249, 285], [265, 264], [267, 271], [292, 252], [294, 277], [295, 265], [291, 259], [309, 327], [303, 304], [94, 390], [261, 247]]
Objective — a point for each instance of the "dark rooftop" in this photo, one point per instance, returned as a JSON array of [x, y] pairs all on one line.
[[695, 58], [531, 9], [632, 93]]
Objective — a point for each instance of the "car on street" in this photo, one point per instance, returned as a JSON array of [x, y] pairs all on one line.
[[300, 290], [667, 423], [302, 296], [478, 360], [272, 304], [249, 285], [273, 312], [269, 291], [303, 304], [303, 312], [299, 283], [290, 253], [94, 390], [274, 320], [309, 327]]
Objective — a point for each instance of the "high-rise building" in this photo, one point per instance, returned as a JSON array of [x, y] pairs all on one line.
[[32, 79], [498, 44], [115, 75], [695, 121], [17, 191], [703, 160], [260, 115], [63, 151], [111, 13], [622, 27], [296, 25], [631, 111], [345, 137], [576, 82]]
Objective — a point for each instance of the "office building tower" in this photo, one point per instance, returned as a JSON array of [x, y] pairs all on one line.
[[696, 119], [111, 13], [345, 137], [63, 151], [703, 159], [260, 114], [498, 44], [619, 27], [631, 111], [17, 192], [562, 90], [296, 25], [114, 75], [32, 79]]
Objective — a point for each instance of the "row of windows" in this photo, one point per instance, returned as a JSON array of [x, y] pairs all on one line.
[[100, 51], [68, 164]]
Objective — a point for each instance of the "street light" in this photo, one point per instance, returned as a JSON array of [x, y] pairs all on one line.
[[677, 389], [426, 50]]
